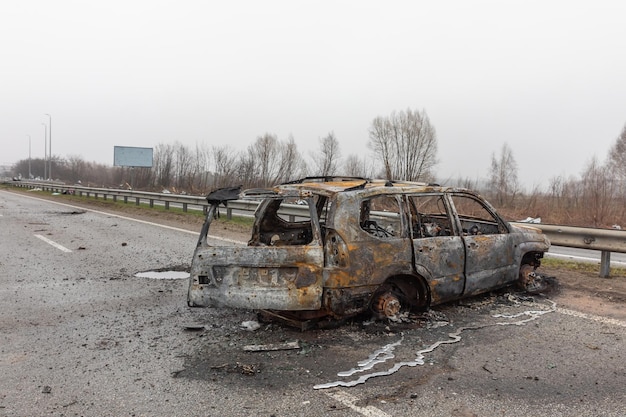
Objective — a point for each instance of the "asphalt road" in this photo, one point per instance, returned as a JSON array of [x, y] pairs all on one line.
[[586, 255], [80, 335]]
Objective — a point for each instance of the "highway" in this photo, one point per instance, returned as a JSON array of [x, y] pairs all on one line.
[[81, 334]]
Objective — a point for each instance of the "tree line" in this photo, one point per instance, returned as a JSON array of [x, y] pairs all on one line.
[[403, 146], [596, 198]]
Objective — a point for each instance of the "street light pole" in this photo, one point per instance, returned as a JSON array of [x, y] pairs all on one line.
[[29, 176], [45, 150], [50, 146]]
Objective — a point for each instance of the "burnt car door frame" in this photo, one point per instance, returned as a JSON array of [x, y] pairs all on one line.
[[445, 275], [489, 257], [374, 257]]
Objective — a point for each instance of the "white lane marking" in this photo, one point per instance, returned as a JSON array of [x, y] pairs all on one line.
[[560, 255], [53, 243], [224, 239], [581, 258], [349, 400], [600, 319]]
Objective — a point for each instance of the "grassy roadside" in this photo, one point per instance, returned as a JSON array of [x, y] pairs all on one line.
[[591, 267]]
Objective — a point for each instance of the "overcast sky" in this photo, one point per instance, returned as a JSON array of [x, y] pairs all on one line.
[[546, 77]]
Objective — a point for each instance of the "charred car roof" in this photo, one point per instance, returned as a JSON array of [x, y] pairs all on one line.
[[329, 186]]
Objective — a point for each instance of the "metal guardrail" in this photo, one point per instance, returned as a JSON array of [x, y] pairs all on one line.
[[603, 240], [137, 196]]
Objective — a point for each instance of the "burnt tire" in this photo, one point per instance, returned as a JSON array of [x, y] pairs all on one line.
[[400, 294]]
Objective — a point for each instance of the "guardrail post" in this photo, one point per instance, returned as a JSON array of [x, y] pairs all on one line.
[[137, 201], [185, 207], [229, 213], [125, 199], [605, 264], [152, 203]]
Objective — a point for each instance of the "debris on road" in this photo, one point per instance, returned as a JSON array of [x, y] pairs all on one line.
[[250, 325], [272, 346], [194, 327], [247, 369]]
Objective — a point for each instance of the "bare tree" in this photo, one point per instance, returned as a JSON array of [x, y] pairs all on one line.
[[266, 151], [247, 169], [271, 161], [406, 144], [467, 182], [163, 164], [326, 160], [183, 166], [292, 164], [617, 156], [359, 166], [352, 166], [598, 192], [21, 167], [201, 167], [225, 167], [503, 177], [617, 165], [76, 165]]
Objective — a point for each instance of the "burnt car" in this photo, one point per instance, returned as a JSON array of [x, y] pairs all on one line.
[[340, 246]]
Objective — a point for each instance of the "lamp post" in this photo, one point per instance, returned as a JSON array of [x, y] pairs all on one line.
[[45, 150], [50, 145], [29, 176]]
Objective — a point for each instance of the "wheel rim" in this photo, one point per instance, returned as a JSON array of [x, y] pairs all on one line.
[[387, 304], [400, 294]]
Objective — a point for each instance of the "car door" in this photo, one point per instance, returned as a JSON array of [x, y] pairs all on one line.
[[382, 243], [438, 249], [489, 247]]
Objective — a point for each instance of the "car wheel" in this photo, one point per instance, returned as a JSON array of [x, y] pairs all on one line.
[[400, 294]]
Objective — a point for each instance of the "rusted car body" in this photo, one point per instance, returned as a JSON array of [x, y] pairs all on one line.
[[363, 244]]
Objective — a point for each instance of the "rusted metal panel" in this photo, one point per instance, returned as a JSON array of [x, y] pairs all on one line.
[[281, 278], [370, 263], [490, 262], [444, 273], [494, 261]]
